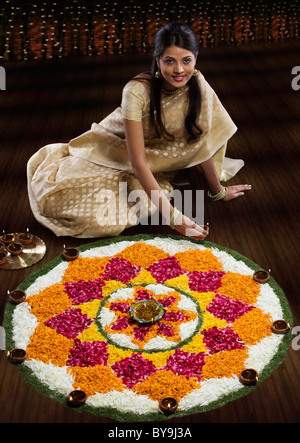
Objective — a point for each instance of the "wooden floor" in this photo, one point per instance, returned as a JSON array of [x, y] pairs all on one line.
[[49, 102]]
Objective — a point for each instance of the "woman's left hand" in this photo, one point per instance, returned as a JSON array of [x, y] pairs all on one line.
[[236, 191]]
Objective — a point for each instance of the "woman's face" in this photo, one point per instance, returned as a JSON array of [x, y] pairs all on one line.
[[177, 67]]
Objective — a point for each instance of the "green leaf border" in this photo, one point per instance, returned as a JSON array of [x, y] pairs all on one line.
[[152, 351], [117, 415]]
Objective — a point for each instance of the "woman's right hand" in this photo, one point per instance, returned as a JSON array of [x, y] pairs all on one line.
[[188, 228]]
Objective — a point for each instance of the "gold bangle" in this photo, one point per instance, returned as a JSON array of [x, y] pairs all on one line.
[[222, 194]]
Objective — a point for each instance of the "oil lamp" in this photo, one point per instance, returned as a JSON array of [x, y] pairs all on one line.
[[168, 405], [70, 254]]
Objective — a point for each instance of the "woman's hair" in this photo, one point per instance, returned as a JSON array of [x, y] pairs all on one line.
[[175, 34]]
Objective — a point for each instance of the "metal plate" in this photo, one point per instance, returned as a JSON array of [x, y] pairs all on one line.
[[31, 254]]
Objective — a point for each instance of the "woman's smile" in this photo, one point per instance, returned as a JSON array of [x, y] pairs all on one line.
[[178, 78]]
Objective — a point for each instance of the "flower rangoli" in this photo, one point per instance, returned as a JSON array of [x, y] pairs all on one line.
[[77, 329]]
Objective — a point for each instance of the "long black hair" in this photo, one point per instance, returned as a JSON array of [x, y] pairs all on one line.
[[175, 34]]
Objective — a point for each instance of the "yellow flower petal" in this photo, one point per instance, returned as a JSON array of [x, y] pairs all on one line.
[[111, 286], [91, 334], [117, 354], [144, 277], [203, 298], [159, 359], [90, 308], [181, 282], [209, 321], [196, 345]]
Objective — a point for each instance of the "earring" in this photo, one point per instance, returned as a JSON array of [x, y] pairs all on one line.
[[158, 74], [195, 72]]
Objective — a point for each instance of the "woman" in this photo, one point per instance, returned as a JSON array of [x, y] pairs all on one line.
[[169, 119]]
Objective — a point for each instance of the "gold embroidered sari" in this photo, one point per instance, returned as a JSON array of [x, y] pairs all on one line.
[[84, 188]]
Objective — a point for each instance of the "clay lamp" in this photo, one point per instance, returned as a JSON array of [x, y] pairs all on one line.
[[26, 238], [17, 296], [205, 227], [77, 398], [7, 238], [168, 405], [147, 311], [3, 257], [261, 276], [16, 355], [15, 248], [70, 254], [249, 377], [280, 327]]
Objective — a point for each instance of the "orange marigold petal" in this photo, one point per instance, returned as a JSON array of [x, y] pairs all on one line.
[[166, 384], [84, 268], [240, 287], [224, 364], [49, 302], [141, 254], [253, 326], [197, 260], [47, 345], [96, 379]]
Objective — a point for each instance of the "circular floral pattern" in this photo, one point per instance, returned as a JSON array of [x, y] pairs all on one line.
[[77, 330], [179, 322]]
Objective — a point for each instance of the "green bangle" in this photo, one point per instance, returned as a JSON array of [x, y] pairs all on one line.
[[222, 194]]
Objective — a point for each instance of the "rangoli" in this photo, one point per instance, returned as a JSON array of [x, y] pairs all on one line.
[[78, 332]]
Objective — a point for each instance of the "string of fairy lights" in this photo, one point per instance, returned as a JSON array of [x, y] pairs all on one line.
[[45, 30]]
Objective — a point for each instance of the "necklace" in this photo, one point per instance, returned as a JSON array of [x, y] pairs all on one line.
[[165, 91]]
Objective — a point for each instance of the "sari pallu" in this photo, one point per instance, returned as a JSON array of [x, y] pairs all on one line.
[[77, 188]]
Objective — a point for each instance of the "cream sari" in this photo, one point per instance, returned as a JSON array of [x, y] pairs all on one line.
[[85, 188]]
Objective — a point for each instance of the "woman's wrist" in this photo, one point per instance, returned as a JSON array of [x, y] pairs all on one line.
[[215, 189], [173, 218]]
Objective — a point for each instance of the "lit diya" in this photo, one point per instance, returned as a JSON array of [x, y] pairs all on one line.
[[17, 355], [15, 248], [168, 405], [3, 257], [7, 238], [248, 377], [25, 238], [70, 254], [77, 398], [205, 227], [147, 311], [280, 327], [17, 296], [261, 276]]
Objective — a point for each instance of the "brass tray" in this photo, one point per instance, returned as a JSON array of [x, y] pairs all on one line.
[[30, 255]]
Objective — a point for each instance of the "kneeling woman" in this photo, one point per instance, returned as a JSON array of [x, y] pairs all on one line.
[[169, 119]]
